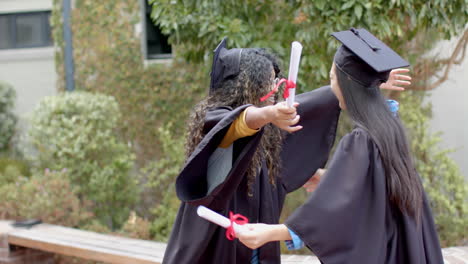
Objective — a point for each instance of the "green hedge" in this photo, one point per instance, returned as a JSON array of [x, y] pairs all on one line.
[[7, 117], [78, 132]]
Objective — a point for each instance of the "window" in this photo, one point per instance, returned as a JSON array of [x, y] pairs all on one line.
[[157, 46], [25, 30]]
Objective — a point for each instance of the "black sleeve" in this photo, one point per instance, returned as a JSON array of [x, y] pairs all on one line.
[[345, 216], [192, 184], [308, 149], [218, 114]]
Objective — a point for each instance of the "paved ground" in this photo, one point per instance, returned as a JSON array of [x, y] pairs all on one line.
[[453, 255]]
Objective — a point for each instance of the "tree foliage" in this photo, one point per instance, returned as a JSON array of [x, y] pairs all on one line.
[[108, 59], [197, 26]]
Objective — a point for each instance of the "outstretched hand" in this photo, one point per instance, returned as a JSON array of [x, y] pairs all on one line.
[[280, 115], [397, 80], [255, 235], [285, 117]]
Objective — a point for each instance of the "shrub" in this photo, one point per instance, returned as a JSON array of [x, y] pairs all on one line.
[[48, 196], [10, 168], [7, 118], [9, 175], [77, 132], [445, 186], [136, 227], [160, 177]]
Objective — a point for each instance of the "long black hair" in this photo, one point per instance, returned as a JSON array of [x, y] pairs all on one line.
[[368, 109]]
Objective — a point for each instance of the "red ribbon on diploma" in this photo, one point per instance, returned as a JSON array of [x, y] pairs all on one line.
[[289, 84], [238, 219]]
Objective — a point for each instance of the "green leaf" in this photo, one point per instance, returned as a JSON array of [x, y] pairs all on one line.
[[320, 4], [422, 12], [358, 11], [347, 5]]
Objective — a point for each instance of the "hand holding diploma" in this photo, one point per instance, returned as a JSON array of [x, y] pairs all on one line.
[[283, 114], [234, 224]]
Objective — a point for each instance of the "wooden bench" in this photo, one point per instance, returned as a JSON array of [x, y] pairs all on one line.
[[84, 244], [115, 249]]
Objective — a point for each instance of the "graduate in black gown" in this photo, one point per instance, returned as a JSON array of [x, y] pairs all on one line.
[[252, 174], [370, 206]]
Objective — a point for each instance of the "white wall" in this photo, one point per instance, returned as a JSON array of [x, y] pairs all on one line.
[[31, 72], [450, 107], [15, 6]]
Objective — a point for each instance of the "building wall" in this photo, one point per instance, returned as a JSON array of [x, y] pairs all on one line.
[[450, 107], [14, 6], [31, 71]]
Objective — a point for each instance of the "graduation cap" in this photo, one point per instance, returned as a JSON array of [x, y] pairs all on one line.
[[225, 64], [364, 58]]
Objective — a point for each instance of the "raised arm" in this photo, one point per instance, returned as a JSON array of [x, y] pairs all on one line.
[[307, 150], [279, 115]]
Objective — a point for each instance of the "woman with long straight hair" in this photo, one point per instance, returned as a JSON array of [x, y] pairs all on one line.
[[370, 206]]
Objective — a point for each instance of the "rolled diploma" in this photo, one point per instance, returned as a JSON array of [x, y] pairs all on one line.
[[296, 51], [216, 218]]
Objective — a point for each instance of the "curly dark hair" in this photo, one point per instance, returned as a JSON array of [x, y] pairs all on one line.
[[253, 81]]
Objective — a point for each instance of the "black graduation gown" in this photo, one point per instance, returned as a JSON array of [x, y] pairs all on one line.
[[349, 219], [195, 240]]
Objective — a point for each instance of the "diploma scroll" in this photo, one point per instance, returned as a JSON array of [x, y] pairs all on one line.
[[296, 51], [216, 218]]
